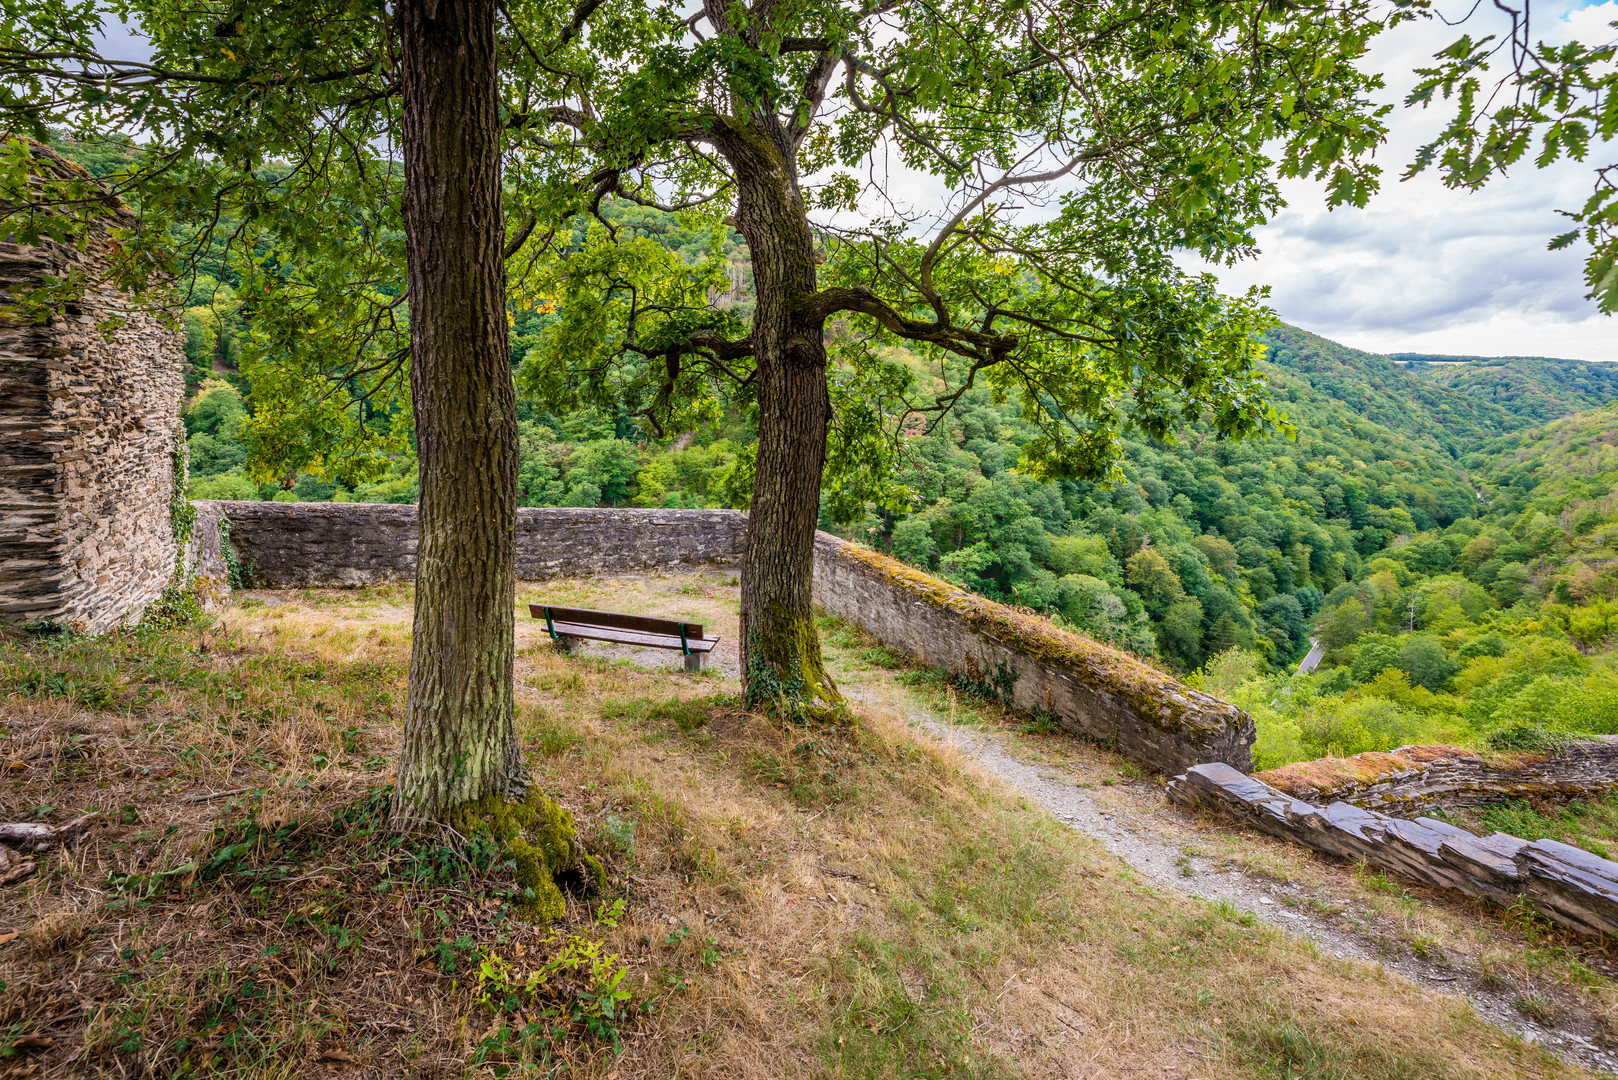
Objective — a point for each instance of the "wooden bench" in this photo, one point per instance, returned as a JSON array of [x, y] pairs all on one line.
[[567, 626]]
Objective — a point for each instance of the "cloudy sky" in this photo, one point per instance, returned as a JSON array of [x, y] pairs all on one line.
[[1426, 269]]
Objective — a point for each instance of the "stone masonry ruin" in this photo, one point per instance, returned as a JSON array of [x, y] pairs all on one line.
[[89, 428], [1414, 779]]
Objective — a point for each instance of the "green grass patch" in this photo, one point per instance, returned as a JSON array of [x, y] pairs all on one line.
[[1591, 825]]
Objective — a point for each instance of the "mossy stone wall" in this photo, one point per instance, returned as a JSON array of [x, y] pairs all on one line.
[[1413, 779], [1092, 690]]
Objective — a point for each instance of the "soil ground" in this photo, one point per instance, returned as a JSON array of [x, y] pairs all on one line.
[[926, 887]]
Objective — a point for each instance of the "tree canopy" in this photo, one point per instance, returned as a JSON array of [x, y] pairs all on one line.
[[1075, 148]]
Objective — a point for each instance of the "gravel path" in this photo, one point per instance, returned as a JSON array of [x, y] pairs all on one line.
[[1164, 860]]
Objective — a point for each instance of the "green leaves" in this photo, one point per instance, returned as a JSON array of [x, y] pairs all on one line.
[[630, 314], [258, 155], [1076, 149]]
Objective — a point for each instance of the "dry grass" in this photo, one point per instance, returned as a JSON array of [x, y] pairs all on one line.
[[1507, 952], [830, 899]]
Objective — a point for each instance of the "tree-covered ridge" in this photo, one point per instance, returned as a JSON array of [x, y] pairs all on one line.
[[1207, 545], [1379, 389], [1533, 389]]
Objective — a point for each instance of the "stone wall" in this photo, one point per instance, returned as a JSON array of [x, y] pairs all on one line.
[[1092, 690], [1565, 883], [203, 562], [88, 424], [1406, 781], [335, 545]]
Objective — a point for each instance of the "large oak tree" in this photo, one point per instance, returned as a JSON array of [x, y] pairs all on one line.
[[1002, 187]]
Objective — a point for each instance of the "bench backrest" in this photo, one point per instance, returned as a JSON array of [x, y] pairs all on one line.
[[617, 620]]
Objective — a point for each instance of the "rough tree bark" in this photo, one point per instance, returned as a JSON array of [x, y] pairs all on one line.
[[459, 741], [780, 647]]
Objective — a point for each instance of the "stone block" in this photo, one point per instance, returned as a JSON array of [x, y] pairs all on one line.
[[1571, 885], [1567, 884]]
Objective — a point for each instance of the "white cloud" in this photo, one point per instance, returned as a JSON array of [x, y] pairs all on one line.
[[1426, 269]]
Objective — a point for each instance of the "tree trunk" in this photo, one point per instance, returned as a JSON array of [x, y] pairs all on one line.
[[781, 662], [459, 742]]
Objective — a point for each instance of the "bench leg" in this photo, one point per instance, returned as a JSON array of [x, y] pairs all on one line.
[[694, 661]]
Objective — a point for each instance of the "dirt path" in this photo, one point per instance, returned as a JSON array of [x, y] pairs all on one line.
[[1164, 853]]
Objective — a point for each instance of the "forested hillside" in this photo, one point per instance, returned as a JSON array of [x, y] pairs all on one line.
[[1496, 632], [1379, 389], [1207, 546], [1533, 389]]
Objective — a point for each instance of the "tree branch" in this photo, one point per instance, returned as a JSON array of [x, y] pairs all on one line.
[[982, 346]]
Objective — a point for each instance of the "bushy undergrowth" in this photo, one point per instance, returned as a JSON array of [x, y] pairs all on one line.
[[1539, 693]]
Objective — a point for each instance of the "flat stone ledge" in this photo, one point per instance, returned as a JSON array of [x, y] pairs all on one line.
[[1568, 885]]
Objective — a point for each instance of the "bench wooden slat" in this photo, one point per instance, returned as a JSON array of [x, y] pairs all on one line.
[[631, 637], [617, 620]]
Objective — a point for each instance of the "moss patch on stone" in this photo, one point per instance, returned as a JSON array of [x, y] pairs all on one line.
[[1302, 779], [539, 837], [1327, 778]]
